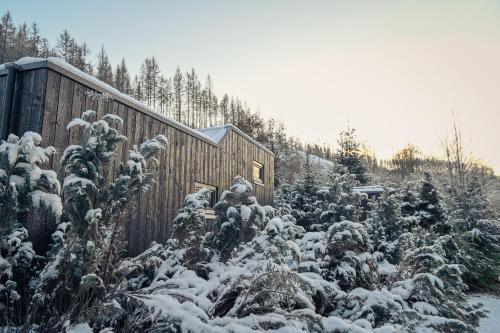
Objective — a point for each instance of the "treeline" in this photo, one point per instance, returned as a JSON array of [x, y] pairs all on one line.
[[183, 96]]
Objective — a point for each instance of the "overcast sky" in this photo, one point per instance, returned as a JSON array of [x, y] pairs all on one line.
[[395, 69]]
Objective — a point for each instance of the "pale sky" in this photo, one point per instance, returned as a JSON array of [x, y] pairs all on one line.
[[395, 69]]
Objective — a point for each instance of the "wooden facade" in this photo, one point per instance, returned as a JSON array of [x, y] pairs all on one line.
[[43, 95]]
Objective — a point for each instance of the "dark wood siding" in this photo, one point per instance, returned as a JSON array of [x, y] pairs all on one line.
[[46, 101]]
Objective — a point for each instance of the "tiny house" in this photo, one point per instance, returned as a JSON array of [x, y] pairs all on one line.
[[44, 95]]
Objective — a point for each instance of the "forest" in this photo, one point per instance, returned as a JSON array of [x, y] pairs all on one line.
[[326, 257]]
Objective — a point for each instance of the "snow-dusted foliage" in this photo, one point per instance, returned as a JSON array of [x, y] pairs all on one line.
[[24, 185], [26, 191], [432, 285], [287, 279], [87, 244], [350, 256], [352, 264], [239, 219], [338, 200], [304, 197]]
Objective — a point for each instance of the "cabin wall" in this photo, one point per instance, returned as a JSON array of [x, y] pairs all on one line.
[[45, 101], [237, 156]]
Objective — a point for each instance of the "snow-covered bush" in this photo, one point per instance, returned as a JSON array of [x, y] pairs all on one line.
[[433, 286], [27, 191], [338, 200], [190, 227], [304, 198], [239, 219], [24, 185], [350, 259], [88, 242]]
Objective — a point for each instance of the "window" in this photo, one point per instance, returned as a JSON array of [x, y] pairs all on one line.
[[258, 172], [213, 192]]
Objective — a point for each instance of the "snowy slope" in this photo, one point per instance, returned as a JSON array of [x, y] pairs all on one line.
[[491, 324]]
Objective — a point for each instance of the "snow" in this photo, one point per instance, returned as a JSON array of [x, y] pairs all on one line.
[[50, 200], [80, 328], [490, 324], [215, 133], [74, 179], [370, 189], [425, 308], [78, 122]]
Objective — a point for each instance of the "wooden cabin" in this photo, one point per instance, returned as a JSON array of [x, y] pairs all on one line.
[[43, 95]]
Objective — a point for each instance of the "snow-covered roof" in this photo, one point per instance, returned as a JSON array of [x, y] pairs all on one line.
[[62, 67], [369, 189], [215, 133]]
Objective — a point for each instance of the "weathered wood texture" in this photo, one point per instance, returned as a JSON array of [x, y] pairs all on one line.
[[46, 100]]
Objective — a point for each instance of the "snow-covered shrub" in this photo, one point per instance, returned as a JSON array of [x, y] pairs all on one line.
[[376, 307], [89, 242], [239, 219], [27, 191], [350, 257], [432, 286], [429, 209], [303, 197], [190, 227], [384, 220], [338, 200], [24, 185]]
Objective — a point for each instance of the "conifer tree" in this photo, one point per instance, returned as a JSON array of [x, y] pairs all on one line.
[[190, 227], [94, 207], [304, 197], [429, 210], [349, 155], [239, 219], [103, 67], [27, 191]]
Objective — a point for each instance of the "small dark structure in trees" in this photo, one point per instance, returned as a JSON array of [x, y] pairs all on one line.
[[44, 95]]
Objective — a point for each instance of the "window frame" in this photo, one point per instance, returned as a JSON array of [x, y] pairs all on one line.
[[260, 167], [213, 190]]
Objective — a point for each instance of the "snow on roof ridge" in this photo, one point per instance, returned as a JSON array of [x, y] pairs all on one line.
[[215, 133]]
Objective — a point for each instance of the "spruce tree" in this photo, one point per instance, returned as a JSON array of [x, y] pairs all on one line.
[[349, 155], [304, 197], [239, 219], [429, 210]]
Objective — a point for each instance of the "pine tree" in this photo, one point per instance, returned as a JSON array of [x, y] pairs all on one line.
[[304, 197], [64, 45], [429, 210], [103, 67], [349, 155], [427, 277], [150, 73], [122, 78], [8, 31], [190, 227], [239, 219], [338, 200], [177, 87], [349, 256]]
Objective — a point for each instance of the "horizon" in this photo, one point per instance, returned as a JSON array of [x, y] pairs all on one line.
[[405, 62]]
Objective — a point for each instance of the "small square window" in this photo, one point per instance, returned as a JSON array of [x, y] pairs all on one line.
[[213, 192], [258, 172]]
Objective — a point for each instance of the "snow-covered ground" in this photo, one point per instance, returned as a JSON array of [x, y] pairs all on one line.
[[491, 324]]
